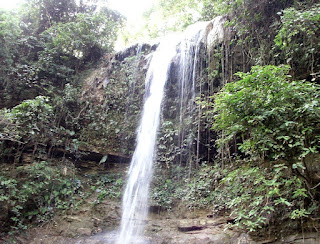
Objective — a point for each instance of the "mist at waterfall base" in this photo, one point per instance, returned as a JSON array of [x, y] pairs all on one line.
[[184, 47]]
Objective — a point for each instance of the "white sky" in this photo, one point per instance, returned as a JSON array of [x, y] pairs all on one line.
[[8, 4], [132, 9]]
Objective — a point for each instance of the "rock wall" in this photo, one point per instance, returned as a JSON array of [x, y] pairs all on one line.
[[114, 94]]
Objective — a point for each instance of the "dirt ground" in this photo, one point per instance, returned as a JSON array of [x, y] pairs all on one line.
[[99, 225]]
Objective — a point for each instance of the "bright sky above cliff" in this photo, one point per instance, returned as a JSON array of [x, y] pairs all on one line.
[[131, 8]]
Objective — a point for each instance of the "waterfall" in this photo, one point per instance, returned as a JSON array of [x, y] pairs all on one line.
[[186, 49], [135, 199]]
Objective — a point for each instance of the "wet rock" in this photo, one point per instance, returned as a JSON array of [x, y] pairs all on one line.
[[155, 209], [70, 218], [155, 228], [313, 167], [306, 238], [217, 32], [97, 222], [190, 228], [244, 239], [96, 231], [134, 49], [84, 231]]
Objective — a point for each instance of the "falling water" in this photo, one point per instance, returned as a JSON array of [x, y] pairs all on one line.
[[135, 199], [189, 60], [134, 203]]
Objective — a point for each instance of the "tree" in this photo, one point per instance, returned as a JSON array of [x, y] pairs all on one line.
[[299, 42], [49, 42]]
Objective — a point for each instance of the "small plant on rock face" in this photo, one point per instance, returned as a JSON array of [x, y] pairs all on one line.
[[168, 185], [162, 194], [198, 193], [107, 186], [167, 150]]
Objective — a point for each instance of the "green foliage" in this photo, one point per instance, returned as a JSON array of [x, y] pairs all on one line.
[[32, 117], [41, 14], [109, 185], [167, 186], [84, 39], [41, 124], [14, 46], [164, 194], [254, 26], [175, 186], [299, 40], [9, 33], [259, 196], [49, 42], [200, 188], [29, 123], [87, 31], [254, 195], [272, 117], [167, 150], [34, 194]]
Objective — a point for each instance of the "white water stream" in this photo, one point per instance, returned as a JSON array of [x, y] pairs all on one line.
[[135, 199], [194, 36]]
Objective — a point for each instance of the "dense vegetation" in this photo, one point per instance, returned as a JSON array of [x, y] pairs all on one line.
[[265, 172], [260, 163], [45, 46], [264, 121]]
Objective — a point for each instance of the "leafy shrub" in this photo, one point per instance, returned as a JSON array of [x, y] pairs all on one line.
[[259, 196], [107, 186], [167, 151], [32, 118], [254, 195], [164, 194], [67, 46], [9, 33], [41, 123], [272, 117], [199, 190], [193, 191], [168, 185], [34, 194], [26, 126], [29, 124]]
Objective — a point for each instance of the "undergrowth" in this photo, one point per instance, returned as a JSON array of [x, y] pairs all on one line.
[[34, 194], [254, 195]]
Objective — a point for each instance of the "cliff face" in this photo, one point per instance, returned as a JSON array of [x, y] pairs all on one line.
[[114, 97], [115, 90]]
